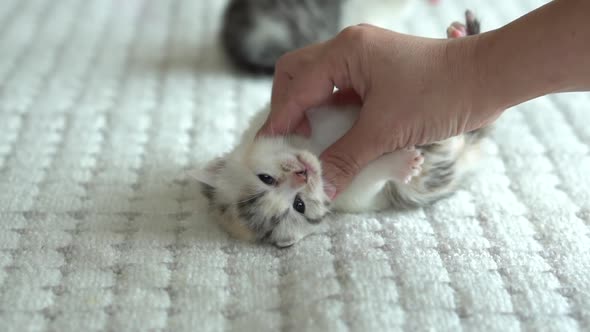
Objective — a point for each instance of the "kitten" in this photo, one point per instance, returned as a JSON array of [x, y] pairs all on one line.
[[270, 189], [255, 33]]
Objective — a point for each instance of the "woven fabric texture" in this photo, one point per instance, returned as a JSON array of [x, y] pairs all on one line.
[[103, 106]]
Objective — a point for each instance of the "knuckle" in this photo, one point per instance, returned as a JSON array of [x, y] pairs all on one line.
[[283, 62], [356, 34], [294, 60]]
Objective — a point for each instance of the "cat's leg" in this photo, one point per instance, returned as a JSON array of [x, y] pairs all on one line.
[[469, 28], [365, 191], [445, 164], [402, 165]]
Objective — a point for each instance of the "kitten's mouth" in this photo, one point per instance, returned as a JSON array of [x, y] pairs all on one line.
[[302, 174], [305, 170]]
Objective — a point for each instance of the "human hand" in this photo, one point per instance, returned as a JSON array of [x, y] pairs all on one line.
[[413, 91]]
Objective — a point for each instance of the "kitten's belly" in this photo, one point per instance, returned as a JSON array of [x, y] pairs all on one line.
[[328, 124]]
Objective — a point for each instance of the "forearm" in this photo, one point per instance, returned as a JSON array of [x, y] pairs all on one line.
[[544, 52]]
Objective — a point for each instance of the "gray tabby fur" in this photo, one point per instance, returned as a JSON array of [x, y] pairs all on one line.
[[255, 33]]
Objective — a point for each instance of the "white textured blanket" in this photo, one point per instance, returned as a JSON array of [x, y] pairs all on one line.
[[104, 103]]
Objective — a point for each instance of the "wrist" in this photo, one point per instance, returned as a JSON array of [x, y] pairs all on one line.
[[469, 81], [492, 76], [540, 53], [509, 76]]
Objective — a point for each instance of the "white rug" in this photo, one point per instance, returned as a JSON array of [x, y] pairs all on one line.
[[103, 104]]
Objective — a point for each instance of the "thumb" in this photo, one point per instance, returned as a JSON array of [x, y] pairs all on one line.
[[344, 159]]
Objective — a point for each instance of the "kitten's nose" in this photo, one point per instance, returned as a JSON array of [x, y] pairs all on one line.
[[299, 178]]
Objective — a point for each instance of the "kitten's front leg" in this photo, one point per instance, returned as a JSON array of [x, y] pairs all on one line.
[[364, 192]]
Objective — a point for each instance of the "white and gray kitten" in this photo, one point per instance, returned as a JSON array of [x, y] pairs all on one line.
[[255, 33], [270, 189]]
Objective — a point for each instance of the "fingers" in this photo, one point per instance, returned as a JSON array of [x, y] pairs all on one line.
[[343, 160], [303, 79], [344, 97], [303, 128], [306, 78]]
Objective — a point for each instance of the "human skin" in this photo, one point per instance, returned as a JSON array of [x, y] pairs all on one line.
[[416, 90]]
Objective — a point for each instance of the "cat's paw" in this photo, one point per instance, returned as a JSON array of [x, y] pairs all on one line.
[[471, 27], [408, 164], [456, 30]]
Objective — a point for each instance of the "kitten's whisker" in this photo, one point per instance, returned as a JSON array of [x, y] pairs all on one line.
[[272, 130], [333, 185], [252, 197], [288, 124], [247, 199]]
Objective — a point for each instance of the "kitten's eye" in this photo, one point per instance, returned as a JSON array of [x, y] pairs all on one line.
[[298, 205], [267, 179]]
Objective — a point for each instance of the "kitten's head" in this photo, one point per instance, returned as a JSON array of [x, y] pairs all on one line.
[[267, 191]]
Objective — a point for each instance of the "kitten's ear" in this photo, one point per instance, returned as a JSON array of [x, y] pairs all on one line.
[[208, 174]]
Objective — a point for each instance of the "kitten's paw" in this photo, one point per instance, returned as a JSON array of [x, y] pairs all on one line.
[[408, 165], [456, 30]]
